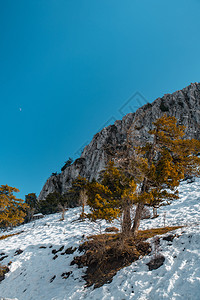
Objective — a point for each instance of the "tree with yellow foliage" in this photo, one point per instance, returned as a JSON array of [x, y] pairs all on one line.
[[12, 210], [162, 164], [151, 176], [110, 199]]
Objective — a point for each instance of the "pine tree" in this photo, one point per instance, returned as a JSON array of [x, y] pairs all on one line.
[[67, 164], [151, 176], [162, 164], [54, 202], [109, 199], [31, 200], [33, 206], [75, 196], [50, 204], [11, 208], [78, 193]]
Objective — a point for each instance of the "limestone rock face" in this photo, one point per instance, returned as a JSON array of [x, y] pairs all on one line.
[[183, 104]]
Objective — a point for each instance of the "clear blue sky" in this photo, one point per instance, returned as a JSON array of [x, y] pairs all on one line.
[[67, 67]]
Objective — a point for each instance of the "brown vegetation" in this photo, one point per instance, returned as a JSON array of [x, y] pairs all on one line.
[[9, 235], [105, 254], [111, 229], [3, 271]]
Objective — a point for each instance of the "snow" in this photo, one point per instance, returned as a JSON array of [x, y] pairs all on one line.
[[38, 215], [32, 272]]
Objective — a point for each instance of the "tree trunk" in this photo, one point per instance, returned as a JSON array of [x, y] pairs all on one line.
[[63, 214], [155, 212], [62, 210], [126, 221], [83, 202], [83, 211], [138, 215]]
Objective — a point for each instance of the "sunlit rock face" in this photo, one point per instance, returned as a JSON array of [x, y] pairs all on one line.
[[183, 104]]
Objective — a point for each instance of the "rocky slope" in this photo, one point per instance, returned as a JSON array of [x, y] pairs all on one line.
[[183, 104]]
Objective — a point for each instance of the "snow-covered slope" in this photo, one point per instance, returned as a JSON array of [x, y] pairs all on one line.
[[34, 274]]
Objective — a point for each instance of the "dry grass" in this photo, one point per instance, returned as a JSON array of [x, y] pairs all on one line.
[[149, 233], [142, 234], [9, 235], [105, 254]]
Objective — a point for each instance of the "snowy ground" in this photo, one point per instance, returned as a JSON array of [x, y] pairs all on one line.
[[32, 272]]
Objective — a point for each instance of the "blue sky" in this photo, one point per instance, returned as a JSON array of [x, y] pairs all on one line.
[[67, 67]]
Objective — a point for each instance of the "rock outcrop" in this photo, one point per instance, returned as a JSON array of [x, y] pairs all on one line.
[[183, 104]]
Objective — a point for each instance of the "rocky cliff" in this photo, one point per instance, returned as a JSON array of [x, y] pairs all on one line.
[[183, 104]]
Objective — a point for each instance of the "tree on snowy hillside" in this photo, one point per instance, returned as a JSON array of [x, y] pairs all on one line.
[[150, 176], [78, 193], [33, 206], [162, 164], [112, 197], [53, 203], [75, 196], [11, 209]]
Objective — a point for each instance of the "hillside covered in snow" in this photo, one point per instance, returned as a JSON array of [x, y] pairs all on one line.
[[41, 255]]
